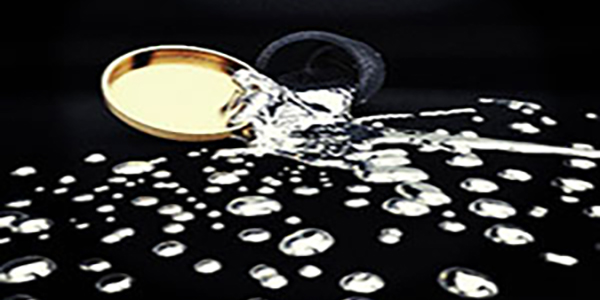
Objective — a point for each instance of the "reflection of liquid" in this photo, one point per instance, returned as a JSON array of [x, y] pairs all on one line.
[[173, 97]]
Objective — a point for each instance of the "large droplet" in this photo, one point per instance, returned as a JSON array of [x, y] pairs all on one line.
[[491, 208], [28, 226], [509, 235], [24, 171], [580, 163], [114, 283], [592, 211], [467, 283], [362, 282], [306, 242], [25, 269], [252, 206], [404, 207], [565, 260]]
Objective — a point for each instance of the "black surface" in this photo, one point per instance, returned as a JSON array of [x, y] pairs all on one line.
[[439, 54]]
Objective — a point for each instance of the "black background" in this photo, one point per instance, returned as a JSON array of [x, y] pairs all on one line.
[[439, 53]]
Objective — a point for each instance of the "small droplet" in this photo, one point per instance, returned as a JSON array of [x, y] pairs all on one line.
[[479, 185], [213, 214], [133, 168], [580, 163], [96, 265], [306, 242], [390, 236], [24, 171], [217, 226], [212, 189], [403, 207], [95, 158], [560, 259], [467, 283], [306, 191], [468, 160], [358, 189], [452, 226], [592, 211], [118, 235], [60, 191], [548, 121], [67, 179], [223, 178], [524, 127], [448, 214], [173, 228], [491, 208], [170, 209], [169, 249], [515, 175], [184, 216], [114, 283], [268, 277], [509, 235], [208, 266], [107, 208], [310, 271], [293, 220], [252, 206], [538, 212], [161, 174], [422, 192], [362, 282], [19, 203], [254, 235], [356, 203], [569, 199]]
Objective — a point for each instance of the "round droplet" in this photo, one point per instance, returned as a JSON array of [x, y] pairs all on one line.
[[107, 208], [404, 207], [491, 208], [217, 226], [95, 158], [362, 282], [170, 209], [144, 201], [515, 175], [306, 242], [252, 206], [67, 179], [25, 269], [509, 235], [468, 160], [184, 216], [467, 283], [169, 249], [306, 191], [538, 212], [310, 271], [223, 178], [114, 283], [479, 185], [293, 220], [207, 266], [356, 203], [213, 189], [452, 226], [96, 265], [173, 228], [390, 236], [133, 168], [254, 235]]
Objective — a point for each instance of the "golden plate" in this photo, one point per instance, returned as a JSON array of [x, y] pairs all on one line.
[[181, 93]]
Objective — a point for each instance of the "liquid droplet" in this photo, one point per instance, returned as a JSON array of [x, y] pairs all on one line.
[[362, 282], [173, 228], [508, 235], [118, 235], [114, 283], [524, 127], [252, 206], [25, 269], [570, 185], [592, 211], [169, 249], [306, 191], [268, 277], [560, 259], [390, 236], [479, 185], [95, 158], [24, 171], [310, 271], [144, 201], [223, 178], [452, 226], [207, 266], [404, 207], [170, 209], [67, 179], [538, 212], [356, 203], [306, 242], [293, 220], [358, 189], [467, 283], [515, 175], [467, 160], [491, 208], [422, 192], [254, 235], [133, 168], [95, 265], [580, 163]]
